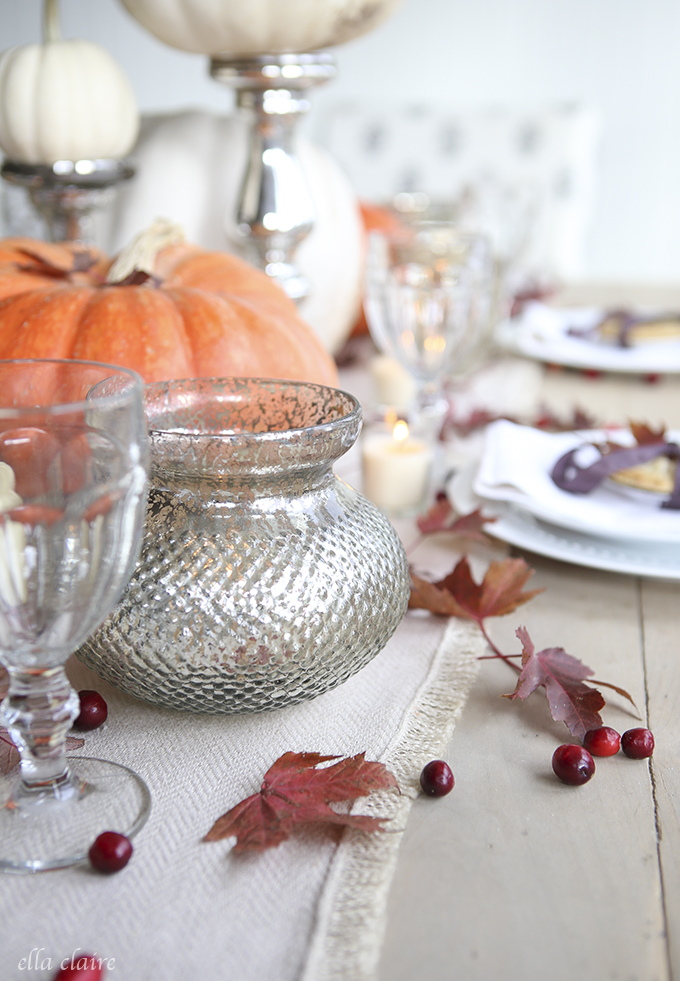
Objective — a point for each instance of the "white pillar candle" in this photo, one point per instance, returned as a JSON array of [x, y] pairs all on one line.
[[12, 543], [392, 382], [396, 469]]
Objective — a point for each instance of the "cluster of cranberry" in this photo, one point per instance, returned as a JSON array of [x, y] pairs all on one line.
[[572, 763], [575, 765]]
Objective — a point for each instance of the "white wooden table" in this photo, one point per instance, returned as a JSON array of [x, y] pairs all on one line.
[[515, 876]]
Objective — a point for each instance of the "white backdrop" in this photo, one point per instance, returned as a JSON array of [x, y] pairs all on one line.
[[620, 56]]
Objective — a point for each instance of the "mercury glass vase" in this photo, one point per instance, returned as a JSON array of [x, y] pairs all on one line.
[[264, 579]]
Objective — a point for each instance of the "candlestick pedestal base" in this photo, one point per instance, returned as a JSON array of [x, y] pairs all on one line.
[[67, 193]]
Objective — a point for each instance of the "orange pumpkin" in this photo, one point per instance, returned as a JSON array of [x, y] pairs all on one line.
[[190, 314]]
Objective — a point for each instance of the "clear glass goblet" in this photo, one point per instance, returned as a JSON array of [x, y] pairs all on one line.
[[426, 300], [73, 487]]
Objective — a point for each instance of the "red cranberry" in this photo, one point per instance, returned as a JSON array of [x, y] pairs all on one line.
[[93, 710], [573, 764], [638, 744], [110, 852], [602, 741], [436, 779], [81, 967]]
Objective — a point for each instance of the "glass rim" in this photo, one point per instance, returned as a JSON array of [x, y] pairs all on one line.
[[109, 400], [352, 417]]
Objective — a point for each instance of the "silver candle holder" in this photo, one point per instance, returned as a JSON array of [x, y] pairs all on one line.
[[275, 211], [67, 193]]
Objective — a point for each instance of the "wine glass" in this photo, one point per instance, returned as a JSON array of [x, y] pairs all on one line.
[[426, 300], [73, 487]]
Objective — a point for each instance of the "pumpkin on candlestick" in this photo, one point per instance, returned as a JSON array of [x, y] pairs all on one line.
[[165, 308], [212, 26]]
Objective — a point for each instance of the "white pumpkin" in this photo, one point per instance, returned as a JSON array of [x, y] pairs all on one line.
[[189, 168], [64, 100], [245, 27]]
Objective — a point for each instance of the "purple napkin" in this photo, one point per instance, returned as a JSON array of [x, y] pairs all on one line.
[[569, 476]]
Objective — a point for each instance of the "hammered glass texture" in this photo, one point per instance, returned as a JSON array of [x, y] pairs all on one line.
[[264, 579]]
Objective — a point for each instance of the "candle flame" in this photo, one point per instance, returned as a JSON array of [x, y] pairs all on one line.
[[435, 345], [400, 431]]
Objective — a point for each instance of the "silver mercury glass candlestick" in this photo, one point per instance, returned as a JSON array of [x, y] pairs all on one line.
[[67, 192], [253, 48], [275, 210]]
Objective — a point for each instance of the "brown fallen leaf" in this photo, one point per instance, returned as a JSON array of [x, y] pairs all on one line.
[[457, 594], [465, 426], [571, 700], [579, 419], [296, 790], [442, 517], [645, 435], [9, 754]]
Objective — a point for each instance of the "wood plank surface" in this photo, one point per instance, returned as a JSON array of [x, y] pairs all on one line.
[[661, 616], [514, 875]]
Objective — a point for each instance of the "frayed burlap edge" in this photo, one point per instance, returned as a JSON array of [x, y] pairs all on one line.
[[352, 913]]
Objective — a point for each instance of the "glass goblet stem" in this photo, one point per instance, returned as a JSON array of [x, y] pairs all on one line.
[[38, 712], [430, 406]]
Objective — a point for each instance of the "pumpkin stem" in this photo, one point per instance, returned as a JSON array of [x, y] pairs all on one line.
[[140, 255], [51, 28]]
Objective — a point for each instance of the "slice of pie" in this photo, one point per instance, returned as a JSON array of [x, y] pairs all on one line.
[[627, 331], [657, 475]]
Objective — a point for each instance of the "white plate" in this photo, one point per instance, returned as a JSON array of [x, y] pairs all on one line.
[[608, 511], [517, 527], [541, 333]]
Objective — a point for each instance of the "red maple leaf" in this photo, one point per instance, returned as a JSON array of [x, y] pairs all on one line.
[[9, 754], [442, 517], [296, 791], [579, 419], [645, 435], [439, 517], [570, 700], [458, 595]]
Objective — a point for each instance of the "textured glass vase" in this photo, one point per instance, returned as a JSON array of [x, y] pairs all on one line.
[[264, 579]]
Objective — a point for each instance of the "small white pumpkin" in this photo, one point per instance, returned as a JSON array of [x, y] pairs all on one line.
[[189, 167], [243, 27], [64, 100]]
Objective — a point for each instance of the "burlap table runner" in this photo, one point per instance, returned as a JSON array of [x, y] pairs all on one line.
[[312, 909]]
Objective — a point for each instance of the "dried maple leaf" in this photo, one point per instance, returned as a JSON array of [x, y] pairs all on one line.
[[9, 754], [500, 591], [645, 435], [464, 426], [296, 791], [439, 517], [570, 700], [580, 419], [442, 517]]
